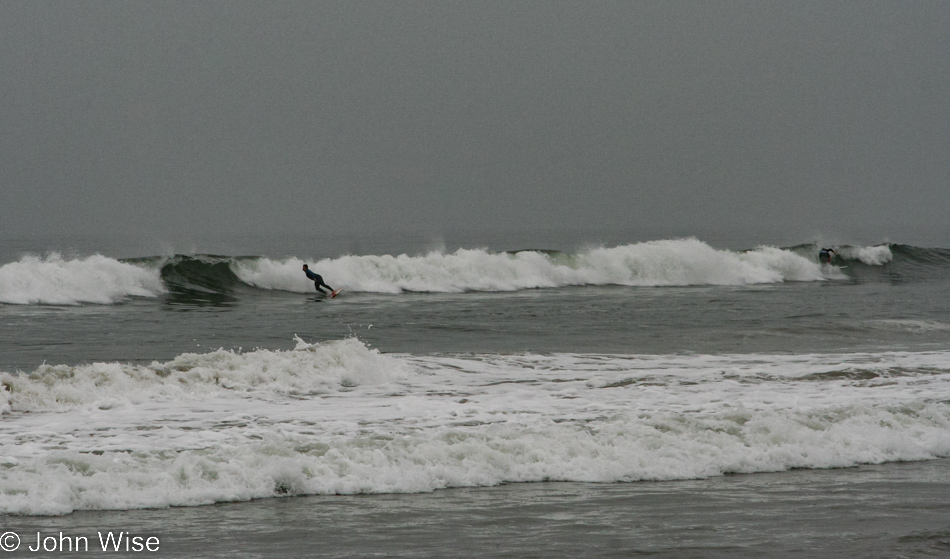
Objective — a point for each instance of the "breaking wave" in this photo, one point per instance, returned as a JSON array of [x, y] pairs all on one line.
[[683, 262], [656, 263], [53, 280]]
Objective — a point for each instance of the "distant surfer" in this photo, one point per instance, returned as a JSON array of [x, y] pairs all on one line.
[[826, 254], [318, 281]]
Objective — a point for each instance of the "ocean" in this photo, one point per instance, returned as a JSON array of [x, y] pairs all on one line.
[[500, 397]]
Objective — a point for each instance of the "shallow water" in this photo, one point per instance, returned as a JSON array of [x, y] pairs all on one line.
[[885, 511]]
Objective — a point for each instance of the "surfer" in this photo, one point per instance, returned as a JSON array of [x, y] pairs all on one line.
[[317, 280], [826, 254]]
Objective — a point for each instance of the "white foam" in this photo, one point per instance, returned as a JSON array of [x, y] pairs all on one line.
[[872, 256], [310, 369], [57, 281], [670, 262], [338, 417]]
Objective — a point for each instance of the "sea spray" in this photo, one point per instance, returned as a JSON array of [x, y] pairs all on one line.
[[872, 256]]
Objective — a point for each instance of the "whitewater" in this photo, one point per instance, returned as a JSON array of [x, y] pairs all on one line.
[[97, 279], [595, 400], [340, 418]]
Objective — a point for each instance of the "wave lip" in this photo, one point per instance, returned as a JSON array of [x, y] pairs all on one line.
[[692, 262], [53, 280], [872, 256]]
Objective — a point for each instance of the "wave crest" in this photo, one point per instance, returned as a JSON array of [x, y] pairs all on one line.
[[53, 280], [872, 256], [210, 279], [655, 263]]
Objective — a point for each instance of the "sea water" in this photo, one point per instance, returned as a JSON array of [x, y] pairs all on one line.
[[599, 400]]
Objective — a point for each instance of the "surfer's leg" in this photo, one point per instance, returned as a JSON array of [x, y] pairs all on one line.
[[320, 283]]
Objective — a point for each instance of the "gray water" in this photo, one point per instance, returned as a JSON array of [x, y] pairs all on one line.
[[887, 510], [794, 317]]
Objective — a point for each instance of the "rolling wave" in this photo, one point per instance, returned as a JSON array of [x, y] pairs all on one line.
[[656, 263], [54, 280], [892, 263]]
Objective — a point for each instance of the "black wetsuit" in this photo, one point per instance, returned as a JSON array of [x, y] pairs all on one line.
[[825, 255], [318, 281]]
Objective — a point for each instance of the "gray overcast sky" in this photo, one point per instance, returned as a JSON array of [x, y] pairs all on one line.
[[427, 116]]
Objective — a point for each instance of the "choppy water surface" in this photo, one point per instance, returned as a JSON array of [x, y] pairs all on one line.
[[189, 380]]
